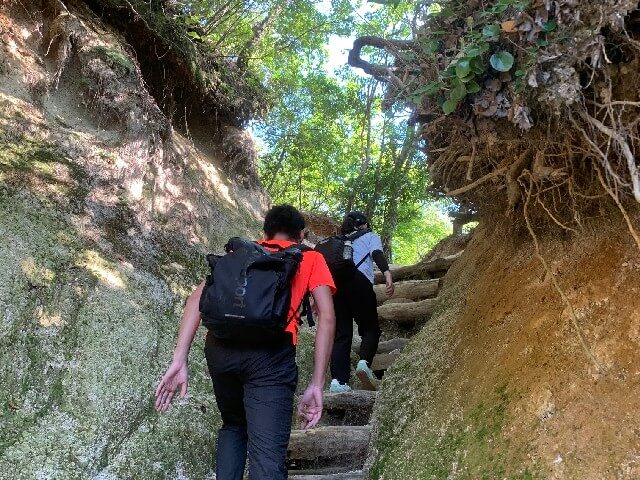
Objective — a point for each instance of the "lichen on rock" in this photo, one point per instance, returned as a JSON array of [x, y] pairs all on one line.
[[106, 213]]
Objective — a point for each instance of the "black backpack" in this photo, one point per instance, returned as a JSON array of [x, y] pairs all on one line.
[[247, 297], [338, 253]]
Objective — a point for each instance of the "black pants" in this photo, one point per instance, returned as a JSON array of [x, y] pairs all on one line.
[[254, 390], [354, 300]]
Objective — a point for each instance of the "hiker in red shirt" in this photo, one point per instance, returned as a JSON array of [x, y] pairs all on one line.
[[250, 345]]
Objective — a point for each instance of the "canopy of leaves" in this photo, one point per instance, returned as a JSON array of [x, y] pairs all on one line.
[[329, 144]]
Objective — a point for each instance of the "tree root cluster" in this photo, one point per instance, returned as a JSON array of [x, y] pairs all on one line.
[[575, 158]]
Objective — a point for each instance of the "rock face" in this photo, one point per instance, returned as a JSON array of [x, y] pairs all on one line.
[[105, 214], [497, 383]]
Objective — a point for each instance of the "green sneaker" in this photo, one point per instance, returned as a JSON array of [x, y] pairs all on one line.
[[337, 387], [366, 376]]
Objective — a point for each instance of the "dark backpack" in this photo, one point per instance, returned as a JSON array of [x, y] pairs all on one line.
[[338, 253], [247, 297]]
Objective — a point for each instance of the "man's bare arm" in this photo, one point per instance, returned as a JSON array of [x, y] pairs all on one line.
[[310, 406], [177, 375], [325, 333], [188, 325]]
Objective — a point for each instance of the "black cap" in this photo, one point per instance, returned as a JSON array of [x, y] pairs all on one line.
[[359, 217]]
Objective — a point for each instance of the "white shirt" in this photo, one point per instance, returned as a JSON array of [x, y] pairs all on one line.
[[363, 246]]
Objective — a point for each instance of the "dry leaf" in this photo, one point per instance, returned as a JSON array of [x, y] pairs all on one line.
[[522, 117], [509, 26]]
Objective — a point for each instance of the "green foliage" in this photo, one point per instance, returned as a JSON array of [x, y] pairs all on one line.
[[463, 62], [416, 236], [472, 446], [329, 146], [502, 61], [115, 59]]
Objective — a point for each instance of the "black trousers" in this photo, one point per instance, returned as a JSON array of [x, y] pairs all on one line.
[[254, 389], [354, 300]]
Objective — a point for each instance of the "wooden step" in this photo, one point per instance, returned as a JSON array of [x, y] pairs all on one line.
[[411, 290], [355, 399], [384, 361], [407, 313], [423, 270], [332, 446], [383, 347], [329, 476], [348, 408]]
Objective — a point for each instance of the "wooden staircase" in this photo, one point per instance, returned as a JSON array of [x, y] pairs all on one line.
[[337, 449]]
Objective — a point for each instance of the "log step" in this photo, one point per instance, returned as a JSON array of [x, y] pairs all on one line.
[[348, 408], [422, 270], [410, 290], [407, 313], [356, 399], [333, 446], [383, 347], [329, 476], [385, 360]]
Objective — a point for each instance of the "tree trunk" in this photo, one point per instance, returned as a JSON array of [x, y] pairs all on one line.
[[278, 166], [383, 347], [259, 31], [401, 160]]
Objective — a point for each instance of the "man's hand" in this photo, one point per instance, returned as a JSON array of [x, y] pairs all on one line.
[[310, 407], [389, 283], [176, 376]]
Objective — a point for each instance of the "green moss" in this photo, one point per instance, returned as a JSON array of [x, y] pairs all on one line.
[[26, 160], [471, 446], [115, 59]]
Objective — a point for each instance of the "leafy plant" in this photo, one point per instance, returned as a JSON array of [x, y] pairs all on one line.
[[502, 61]]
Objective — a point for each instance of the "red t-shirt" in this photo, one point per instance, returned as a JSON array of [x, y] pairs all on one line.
[[313, 272]]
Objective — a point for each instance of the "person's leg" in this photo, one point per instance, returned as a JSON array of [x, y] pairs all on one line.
[[365, 312], [341, 354], [268, 400], [231, 453]]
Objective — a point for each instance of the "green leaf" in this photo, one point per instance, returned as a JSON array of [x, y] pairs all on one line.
[[473, 87], [491, 31], [463, 68], [431, 47], [429, 89], [475, 51], [550, 26], [395, 3], [520, 73], [478, 66], [542, 43], [458, 93], [502, 61], [500, 8], [449, 106]]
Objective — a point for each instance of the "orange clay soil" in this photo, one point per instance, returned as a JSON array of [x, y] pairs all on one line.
[[513, 393]]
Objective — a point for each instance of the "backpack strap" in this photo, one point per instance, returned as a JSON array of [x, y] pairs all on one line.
[[307, 311], [236, 243], [357, 234], [363, 259]]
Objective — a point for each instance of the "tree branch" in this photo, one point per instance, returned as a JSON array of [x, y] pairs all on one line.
[[379, 72]]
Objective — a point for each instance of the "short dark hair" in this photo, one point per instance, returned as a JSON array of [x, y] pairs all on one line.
[[283, 219]]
